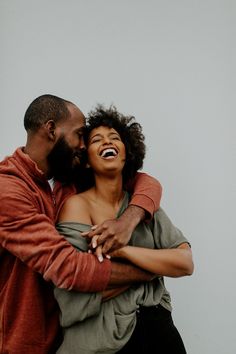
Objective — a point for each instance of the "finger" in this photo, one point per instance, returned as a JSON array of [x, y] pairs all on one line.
[[85, 233], [107, 246], [104, 237], [91, 232], [99, 254], [100, 238], [94, 241]]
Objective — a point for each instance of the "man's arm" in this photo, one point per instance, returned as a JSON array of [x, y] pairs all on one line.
[[146, 193], [122, 277], [116, 233], [123, 274], [28, 234]]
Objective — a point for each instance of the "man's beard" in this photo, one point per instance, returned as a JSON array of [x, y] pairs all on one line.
[[64, 161]]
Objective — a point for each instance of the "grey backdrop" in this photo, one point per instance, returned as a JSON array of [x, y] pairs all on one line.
[[172, 65]]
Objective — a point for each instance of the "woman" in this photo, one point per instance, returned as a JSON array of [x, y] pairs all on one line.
[[139, 318]]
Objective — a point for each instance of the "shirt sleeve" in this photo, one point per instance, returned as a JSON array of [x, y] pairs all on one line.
[[166, 234], [146, 193], [28, 234]]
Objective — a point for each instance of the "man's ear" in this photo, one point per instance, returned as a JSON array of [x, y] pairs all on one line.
[[50, 126]]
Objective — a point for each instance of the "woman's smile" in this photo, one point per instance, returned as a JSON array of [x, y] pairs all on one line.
[[108, 153]]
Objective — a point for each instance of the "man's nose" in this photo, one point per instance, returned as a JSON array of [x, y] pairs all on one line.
[[82, 145]]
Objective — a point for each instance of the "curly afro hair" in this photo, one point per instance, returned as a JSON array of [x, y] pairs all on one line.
[[131, 135], [130, 132]]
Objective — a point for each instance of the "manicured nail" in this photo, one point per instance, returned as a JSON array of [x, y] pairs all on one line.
[[100, 258]]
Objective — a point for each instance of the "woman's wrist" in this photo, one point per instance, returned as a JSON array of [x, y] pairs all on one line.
[[120, 253]]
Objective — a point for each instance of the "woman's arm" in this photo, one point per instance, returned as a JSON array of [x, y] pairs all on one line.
[[163, 262]]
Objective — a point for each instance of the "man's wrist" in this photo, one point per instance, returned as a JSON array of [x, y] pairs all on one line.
[[134, 214], [145, 203]]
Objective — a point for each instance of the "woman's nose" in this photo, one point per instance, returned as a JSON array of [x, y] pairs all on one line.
[[106, 140]]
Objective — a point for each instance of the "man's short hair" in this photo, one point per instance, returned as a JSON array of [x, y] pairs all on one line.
[[44, 108]]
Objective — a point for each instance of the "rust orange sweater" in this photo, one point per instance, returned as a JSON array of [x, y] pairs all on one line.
[[33, 256]]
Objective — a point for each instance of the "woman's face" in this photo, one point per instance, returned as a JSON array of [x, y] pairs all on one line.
[[106, 151]]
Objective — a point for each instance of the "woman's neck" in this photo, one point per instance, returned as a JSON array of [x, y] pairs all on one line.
[[109, 190]]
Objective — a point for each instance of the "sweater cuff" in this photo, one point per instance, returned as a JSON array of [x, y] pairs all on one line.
[[144, 202]]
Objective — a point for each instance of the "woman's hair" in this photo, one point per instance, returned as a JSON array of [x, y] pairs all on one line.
[[131, 135]]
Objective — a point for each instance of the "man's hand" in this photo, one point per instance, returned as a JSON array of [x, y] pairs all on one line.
[[110, 235], [115, 233]]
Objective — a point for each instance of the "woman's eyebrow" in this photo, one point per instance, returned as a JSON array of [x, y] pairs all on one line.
[[95, 135], [114, 133], [101, 135]]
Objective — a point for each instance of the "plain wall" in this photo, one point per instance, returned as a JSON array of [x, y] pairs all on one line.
[[171, 64]]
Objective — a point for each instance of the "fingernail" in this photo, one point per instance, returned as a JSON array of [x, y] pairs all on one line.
[[100, 258], [94, 244], [108, 256]]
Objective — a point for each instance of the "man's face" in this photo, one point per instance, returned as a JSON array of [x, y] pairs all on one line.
[[63, 160], [69, 149]]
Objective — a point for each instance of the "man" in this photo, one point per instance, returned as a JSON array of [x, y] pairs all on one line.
[[33, 256]]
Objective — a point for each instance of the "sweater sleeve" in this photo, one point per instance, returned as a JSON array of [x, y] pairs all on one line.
[[30, 235], [147, 193]]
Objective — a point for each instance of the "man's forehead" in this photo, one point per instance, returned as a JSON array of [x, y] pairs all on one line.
[[76, 115], [74, 109]]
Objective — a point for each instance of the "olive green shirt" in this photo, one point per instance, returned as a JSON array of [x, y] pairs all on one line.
[[92, 326]]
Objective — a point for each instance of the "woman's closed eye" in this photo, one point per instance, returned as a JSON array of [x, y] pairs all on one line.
[[115, 136], [95, 140]]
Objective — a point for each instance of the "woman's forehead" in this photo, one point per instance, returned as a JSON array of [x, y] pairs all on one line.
[[102, 129]]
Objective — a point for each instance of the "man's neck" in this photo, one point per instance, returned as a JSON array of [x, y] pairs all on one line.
[[39, 157]]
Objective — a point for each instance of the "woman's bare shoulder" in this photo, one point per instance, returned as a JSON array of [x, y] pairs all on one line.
[[76, 209]]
